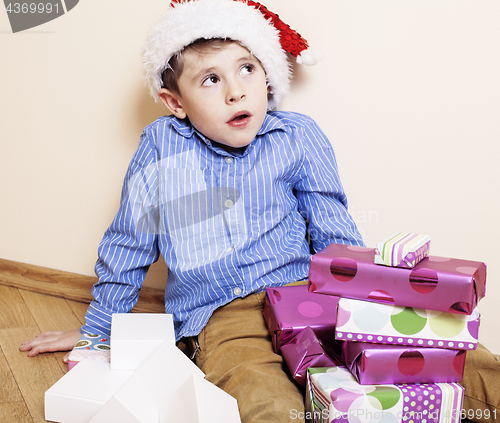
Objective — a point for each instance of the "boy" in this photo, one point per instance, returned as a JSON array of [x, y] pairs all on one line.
[[228, 192]]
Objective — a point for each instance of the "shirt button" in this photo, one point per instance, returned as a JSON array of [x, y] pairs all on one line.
[[228, 203], [228, 250], [237, 291], [228, 160]]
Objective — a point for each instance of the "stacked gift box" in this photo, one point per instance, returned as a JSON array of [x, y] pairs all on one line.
[[390, 327]]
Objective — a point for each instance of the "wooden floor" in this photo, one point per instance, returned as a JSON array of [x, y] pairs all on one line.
[[36, 299], [24, 380]]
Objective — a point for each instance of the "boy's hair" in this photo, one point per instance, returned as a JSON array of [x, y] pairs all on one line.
[[175, 65]]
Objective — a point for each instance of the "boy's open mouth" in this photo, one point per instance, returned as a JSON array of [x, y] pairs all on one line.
[[240, 119]]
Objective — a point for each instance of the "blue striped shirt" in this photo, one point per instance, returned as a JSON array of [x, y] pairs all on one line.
[[227, 225]]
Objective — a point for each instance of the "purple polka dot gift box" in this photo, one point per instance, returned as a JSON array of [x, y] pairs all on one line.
[[435, 283], [373, 364], [365, 321], [290, 309], [333, 395], [307, 350]]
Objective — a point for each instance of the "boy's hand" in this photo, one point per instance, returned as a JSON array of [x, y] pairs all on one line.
[[51, 342]]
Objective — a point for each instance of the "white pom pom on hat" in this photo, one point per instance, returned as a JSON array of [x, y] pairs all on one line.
[[252, 24]]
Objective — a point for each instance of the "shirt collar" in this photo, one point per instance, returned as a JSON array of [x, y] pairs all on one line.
[[184, 127], [271, 123]]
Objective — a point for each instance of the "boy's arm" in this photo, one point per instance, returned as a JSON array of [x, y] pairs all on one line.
[[129, 245], [128, 248], [321, 197]]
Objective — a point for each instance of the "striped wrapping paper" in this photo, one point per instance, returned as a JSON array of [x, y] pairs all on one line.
[[402, 250]]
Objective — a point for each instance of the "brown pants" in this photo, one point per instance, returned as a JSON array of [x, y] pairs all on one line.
[[236, 354], [482, 386]]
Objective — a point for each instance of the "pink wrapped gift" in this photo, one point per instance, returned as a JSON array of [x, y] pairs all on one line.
[[435, 283], [306, 350], [290, 309], [373, 364]]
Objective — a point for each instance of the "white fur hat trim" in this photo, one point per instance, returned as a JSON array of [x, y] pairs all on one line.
[[187, 22]]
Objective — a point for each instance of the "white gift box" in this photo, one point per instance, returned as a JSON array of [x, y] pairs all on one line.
[[200, 401], [161, 383], [135, 336], [80, 393], [156, 380]]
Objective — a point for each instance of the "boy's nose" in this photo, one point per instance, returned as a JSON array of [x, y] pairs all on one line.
[[236, 98], [235, 93]]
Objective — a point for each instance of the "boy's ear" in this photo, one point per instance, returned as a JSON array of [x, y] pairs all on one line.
[[172, 103]]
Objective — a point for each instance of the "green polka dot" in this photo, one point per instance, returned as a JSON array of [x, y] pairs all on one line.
[[313, 370], [446, 325], [407, 322], [387, 396]]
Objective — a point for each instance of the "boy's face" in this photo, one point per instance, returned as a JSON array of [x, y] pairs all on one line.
[[223, 93]]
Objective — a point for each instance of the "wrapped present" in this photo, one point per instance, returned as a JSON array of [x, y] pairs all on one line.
[[435, 283], [89, 347], [306, 350], [290, 309], [396, 364], [335, 396], [365, 321], [402, 250]]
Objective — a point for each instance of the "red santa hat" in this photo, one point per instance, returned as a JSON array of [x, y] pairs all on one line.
[[246, 21]]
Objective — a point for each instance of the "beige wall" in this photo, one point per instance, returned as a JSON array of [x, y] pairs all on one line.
[[408, 93]]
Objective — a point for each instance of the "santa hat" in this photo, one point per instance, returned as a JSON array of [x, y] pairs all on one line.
[[246, 21]]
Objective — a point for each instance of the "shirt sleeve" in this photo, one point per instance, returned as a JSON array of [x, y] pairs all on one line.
[[129, 245], [321, 197]]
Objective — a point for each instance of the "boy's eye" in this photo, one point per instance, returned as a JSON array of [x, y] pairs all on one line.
[[211, 80], [247, 69]]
